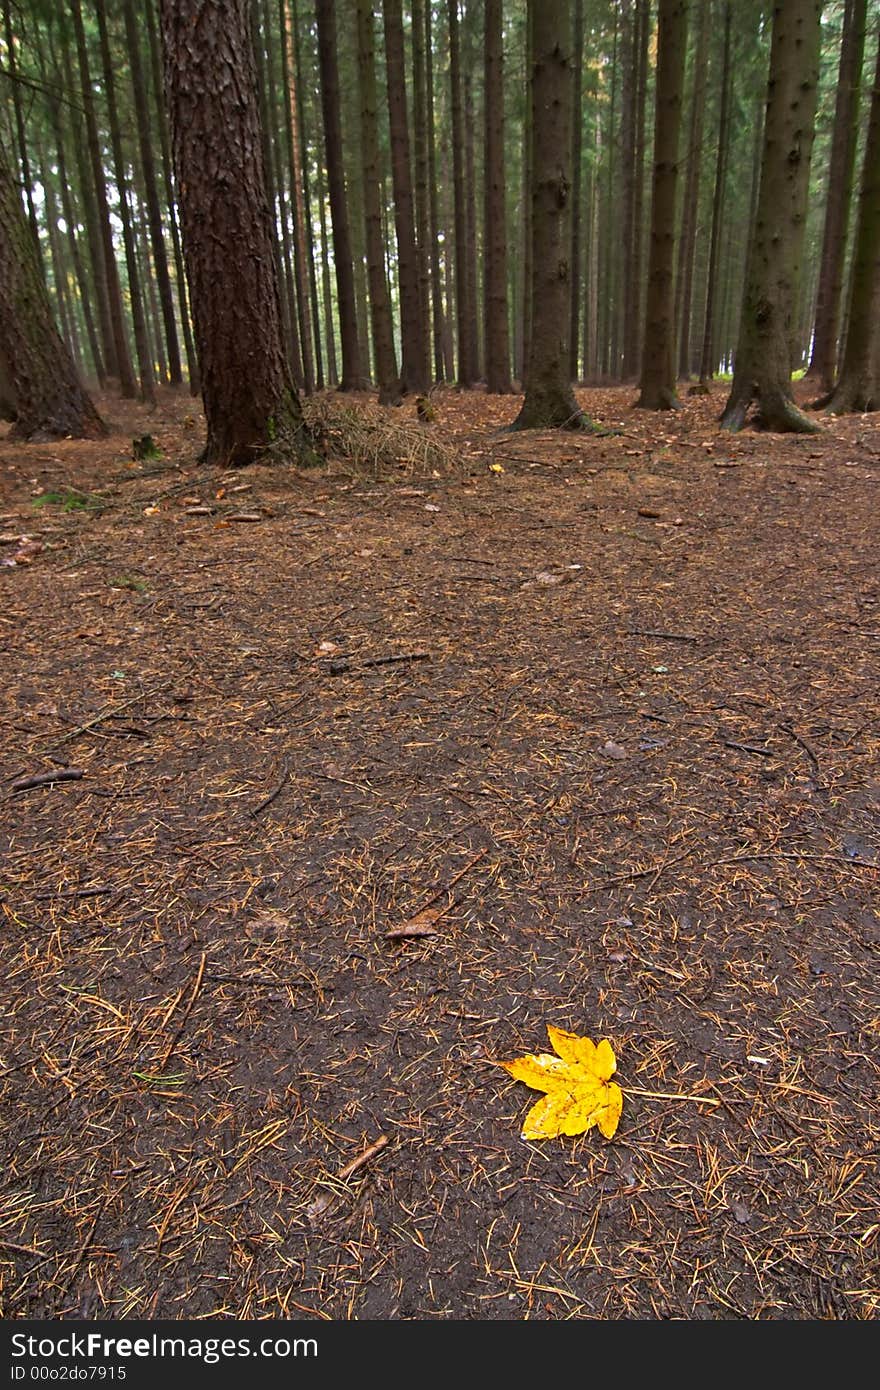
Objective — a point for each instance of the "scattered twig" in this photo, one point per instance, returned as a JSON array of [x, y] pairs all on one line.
[[317, 1208], [186, 1013], [802, 743], [672, 1095], [749, 748], [662, 636], [47, 779], [339, 668], [106, 713], [276, 791]]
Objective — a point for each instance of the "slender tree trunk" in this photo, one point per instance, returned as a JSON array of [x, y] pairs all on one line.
[[437, 314], [21, 136], [470, 185], [151, 192], [286, 282], [329, 329], [353, 378], [250, 402], [763, 356], [684, 283], [576, 187], [380, 303], [549, 399], [526, 218], [496, 321], [415, 372], [192, 365], [295, 50], [708, 357], [116, 352], [841, 177], [659, 390], [420, 143], [36, 367], [464, 307], [300, 252], [858, 388], [258, 49], [634, 345]]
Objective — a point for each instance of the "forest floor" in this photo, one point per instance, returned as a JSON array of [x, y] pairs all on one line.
[[628, 776]]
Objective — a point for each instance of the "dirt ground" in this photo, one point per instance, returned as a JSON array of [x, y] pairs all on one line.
[[625, 768]]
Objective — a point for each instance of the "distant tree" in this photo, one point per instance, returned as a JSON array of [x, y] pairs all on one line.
[[658, 358], [496, 330], [39, 384], [549, 399], [687, 241], [707, 352], [210, 79], [762, 368], [858, 387], [380, 302], [841, 178], [353, 376], [465, 309]]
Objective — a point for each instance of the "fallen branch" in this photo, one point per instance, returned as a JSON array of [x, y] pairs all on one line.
[[186, 1013], [317, 1208], [276, 791], [339, 668], [47, 779]]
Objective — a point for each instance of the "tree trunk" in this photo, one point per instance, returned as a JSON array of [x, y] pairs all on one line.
[[380, 303], [353, 378], [763, 356], [549, 399], [684, 282], [192, 365], [658, 366], [326, 289], [464, 308], [858, 388], [415, 371], [496, 323], [420, 143], [39, 377], [116, 353], [151, 192], [294, 154], [707, 356], [841, 177], [250, 402], [20, 130], [438, 318], [577, 186]]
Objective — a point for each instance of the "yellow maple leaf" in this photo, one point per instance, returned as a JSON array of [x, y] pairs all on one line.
[[578, 1086]]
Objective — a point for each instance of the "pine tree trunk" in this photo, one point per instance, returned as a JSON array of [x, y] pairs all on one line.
[[39, 377], [420, 143], [496, 321], [294, 155], [380, 303], [353, 377], [250, 402], [286, 283], [858, 388], [116, 353], [438, 317], [192, 365], [684, 282], [658, 384], [326, 289], [415, 372], [763, 356], [576, 188], [464, 307], [549, 399], [21, 137], [708, 356], [841, 177]]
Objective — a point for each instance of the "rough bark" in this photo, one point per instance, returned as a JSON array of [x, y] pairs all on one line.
[[380, 303], [496, 331], [762, 368], [858, 388], [841, 177], [438, 317], [576, 186], [250, 403], [549, 399], [21, 136], [658, 385], [38, 378], [420, 146], [353, 377], [415, 372]]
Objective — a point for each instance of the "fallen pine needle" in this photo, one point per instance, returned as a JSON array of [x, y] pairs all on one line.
[[670, 1095]]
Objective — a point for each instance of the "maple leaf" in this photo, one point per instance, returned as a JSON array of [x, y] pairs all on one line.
[[579, 1091]]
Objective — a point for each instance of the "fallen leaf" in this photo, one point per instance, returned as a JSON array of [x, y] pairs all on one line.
[[579, 1092], [423, 924], [496, 468]]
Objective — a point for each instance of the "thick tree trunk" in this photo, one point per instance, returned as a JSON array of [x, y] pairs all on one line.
[[858, 388], [380, 303], [549, 399], [415, 371], [38, 378], [496, 322], [841, 177], [250, 402], [763, 358], [658, 365], [353, 377]]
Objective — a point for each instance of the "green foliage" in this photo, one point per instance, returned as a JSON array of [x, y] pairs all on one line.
[[71, 500]]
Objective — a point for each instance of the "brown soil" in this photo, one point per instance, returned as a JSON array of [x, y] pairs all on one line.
[[638, 773]]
